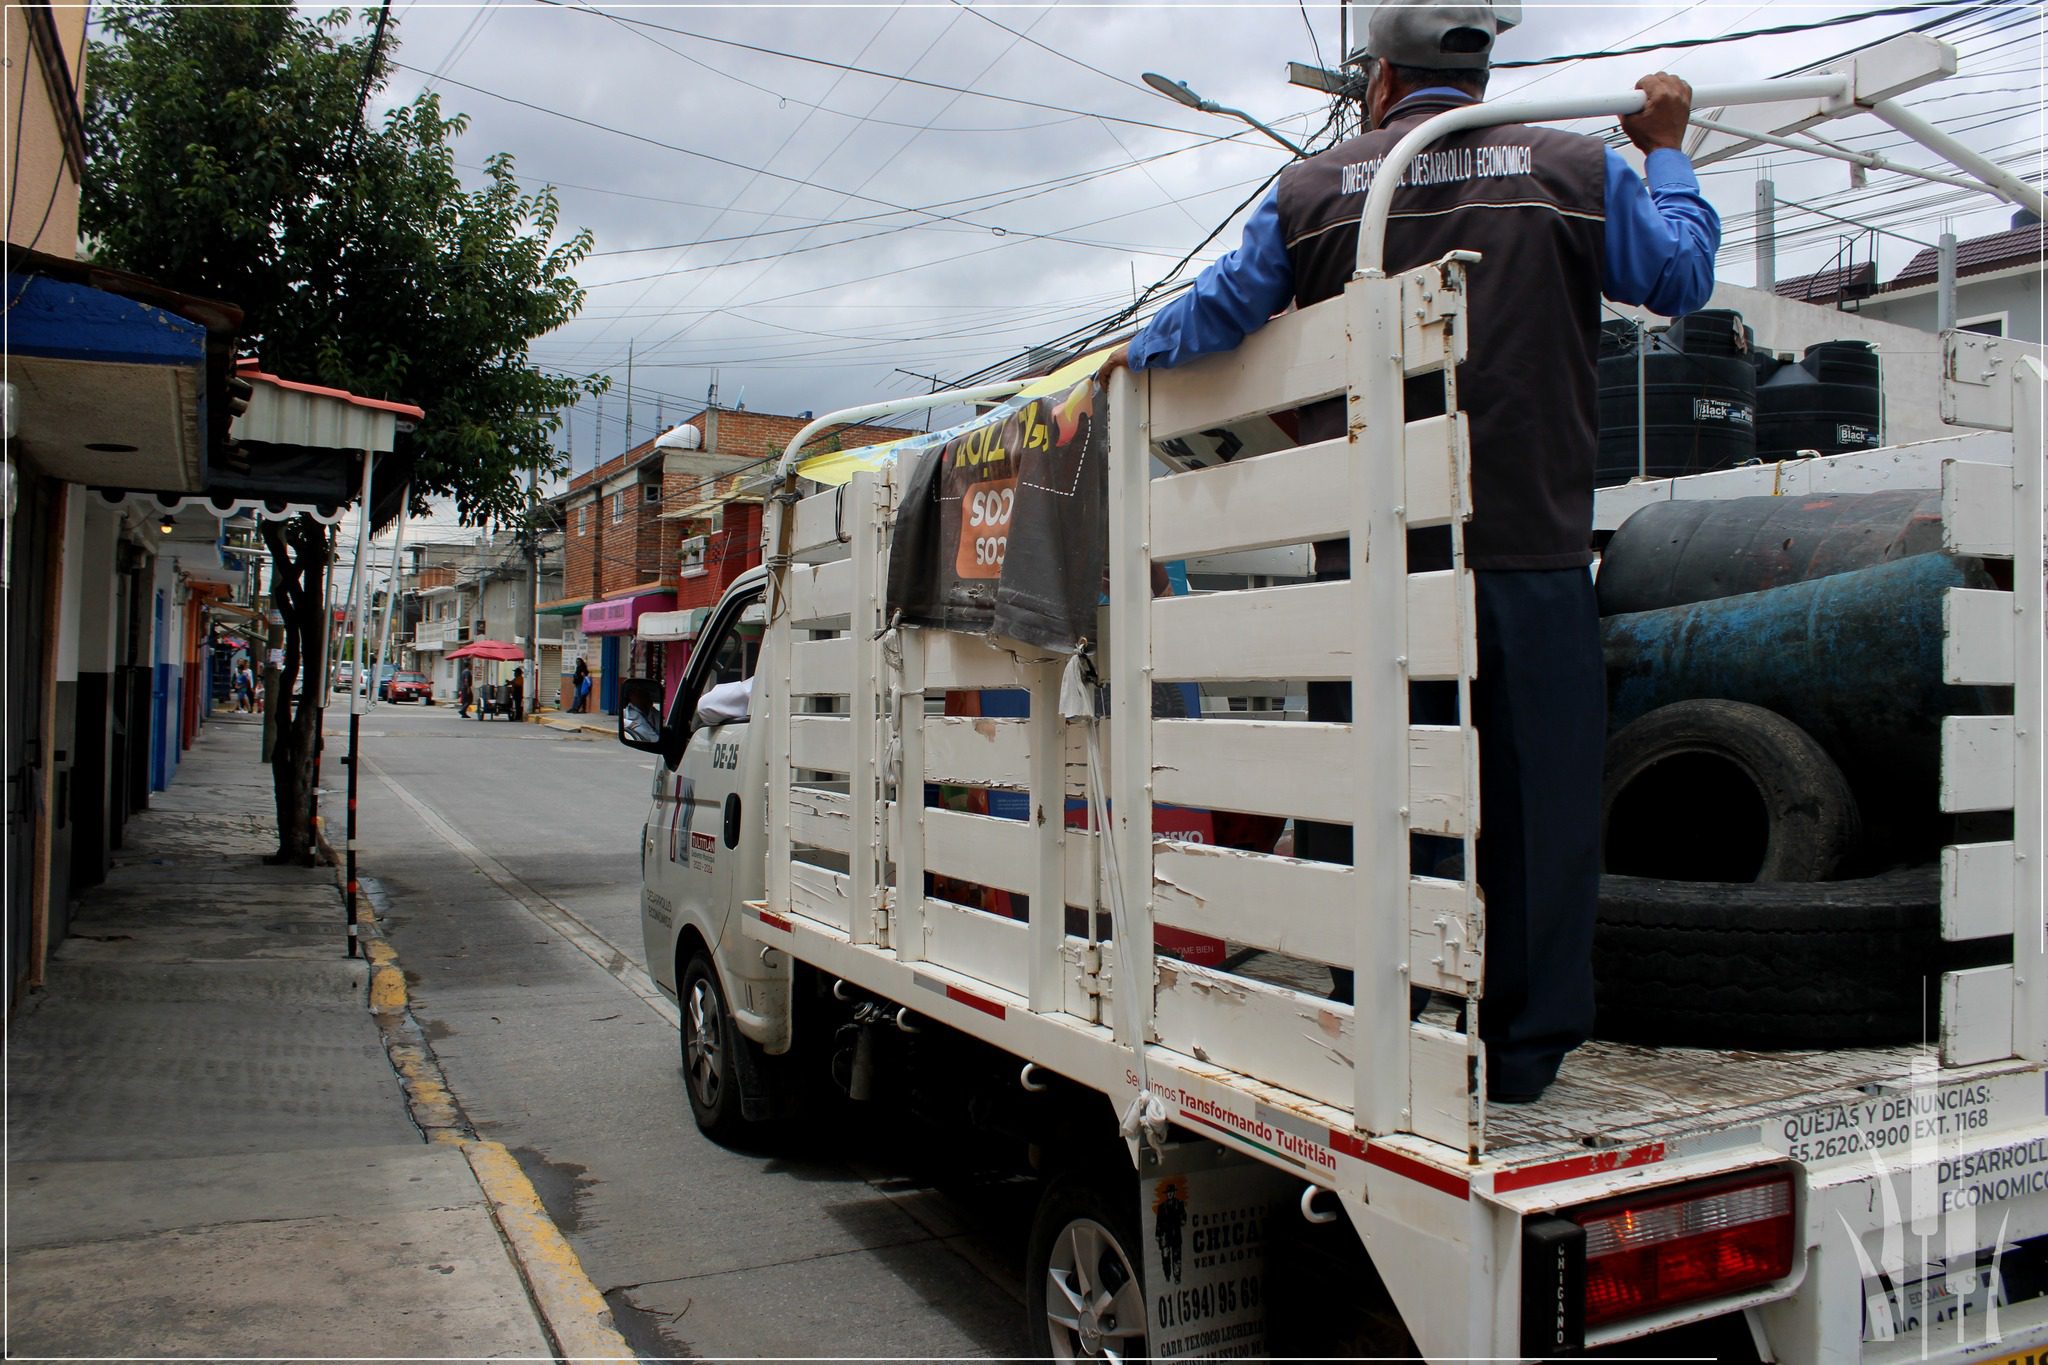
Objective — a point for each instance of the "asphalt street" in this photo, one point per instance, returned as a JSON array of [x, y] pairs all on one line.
[[504, 860]]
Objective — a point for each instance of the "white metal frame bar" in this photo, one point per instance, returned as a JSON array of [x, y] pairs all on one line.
[[2030, 708], [1379, 201]]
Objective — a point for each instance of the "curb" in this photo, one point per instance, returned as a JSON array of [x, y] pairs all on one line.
[[572, 1310]]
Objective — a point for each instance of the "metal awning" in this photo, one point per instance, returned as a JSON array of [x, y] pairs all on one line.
[[564, 608], [108, 388], [672, 625], [285, 412]]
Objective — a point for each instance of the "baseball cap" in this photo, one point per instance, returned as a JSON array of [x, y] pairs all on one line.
[[1434, 37]]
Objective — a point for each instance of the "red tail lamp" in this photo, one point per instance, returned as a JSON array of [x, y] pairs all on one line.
[[1673, 1247]]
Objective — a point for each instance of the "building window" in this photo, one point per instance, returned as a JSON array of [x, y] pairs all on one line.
[[619, 505], [651, 492], [1990, 325], [583, 519]]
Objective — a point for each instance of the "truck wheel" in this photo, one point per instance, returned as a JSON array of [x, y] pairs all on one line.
[[708, 1037], [1722, 791], [1083, 1292]]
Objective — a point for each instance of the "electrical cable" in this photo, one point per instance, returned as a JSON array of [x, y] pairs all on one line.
[[862, 70], [1776, 31]]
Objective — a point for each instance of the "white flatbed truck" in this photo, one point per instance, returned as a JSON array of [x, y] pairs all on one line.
[[1874, 1204]]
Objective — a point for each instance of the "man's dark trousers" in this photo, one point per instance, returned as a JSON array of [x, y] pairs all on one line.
[[1539, 702]]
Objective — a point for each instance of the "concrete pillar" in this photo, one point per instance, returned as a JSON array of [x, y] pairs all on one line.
[[1945, 289], [1766, 235]]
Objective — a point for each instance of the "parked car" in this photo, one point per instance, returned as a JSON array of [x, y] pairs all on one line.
[[409, 687], [384, 674], [344, 677]]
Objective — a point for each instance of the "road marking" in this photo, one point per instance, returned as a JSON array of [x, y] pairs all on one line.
[[579, 935]]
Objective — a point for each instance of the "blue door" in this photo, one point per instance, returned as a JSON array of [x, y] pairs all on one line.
[[608, 665]]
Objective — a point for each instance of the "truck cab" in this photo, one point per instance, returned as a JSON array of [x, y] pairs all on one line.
[[702, 852]]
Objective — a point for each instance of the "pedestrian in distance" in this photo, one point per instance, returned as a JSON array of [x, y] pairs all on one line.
[[581, 700], [1559, 220], [245, 687], [517, 701], [465, 693]]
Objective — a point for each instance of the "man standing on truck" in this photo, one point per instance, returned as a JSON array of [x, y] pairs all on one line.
[[1559, 219]]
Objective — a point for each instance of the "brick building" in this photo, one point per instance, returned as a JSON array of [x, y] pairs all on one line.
[[665, 530]]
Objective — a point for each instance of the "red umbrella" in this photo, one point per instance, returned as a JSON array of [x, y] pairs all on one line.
[[489, 649]]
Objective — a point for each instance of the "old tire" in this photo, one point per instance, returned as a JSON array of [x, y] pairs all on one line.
[[1775, 965], [1723, 791], [1084, 1293]]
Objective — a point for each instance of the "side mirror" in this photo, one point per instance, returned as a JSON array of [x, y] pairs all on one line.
[[640, 715]]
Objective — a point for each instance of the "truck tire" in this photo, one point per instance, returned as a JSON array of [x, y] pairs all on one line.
[[1083, 1286], [1722, 791], [708, 1037], [1775, 965]]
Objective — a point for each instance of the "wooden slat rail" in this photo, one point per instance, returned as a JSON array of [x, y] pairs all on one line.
[[973, 662], [1307, 910], [1302, 631], [821, 667], [1290, 361], [819, 819], [823, 532], [1298, 769], [975, 943], [1270, 500], [1004, 854], [821, 595], [821, 743], [979, 751], [1283, 1037], [819, 893]]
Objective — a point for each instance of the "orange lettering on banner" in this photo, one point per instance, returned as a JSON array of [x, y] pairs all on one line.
[[985, 510]]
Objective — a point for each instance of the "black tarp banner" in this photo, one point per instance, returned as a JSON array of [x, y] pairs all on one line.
[[1003, 529]]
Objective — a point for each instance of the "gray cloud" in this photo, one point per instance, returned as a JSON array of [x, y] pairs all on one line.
[[812, 295]]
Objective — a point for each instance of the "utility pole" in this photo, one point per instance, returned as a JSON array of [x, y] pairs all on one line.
[[530, 608]]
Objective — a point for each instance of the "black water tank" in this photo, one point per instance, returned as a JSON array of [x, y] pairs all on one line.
[[1699, 398], [1832, 401]]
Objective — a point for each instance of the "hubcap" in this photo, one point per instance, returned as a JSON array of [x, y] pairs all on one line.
[[1093, 1305], [701, 1044]]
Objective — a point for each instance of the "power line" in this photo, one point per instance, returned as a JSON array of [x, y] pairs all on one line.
[[863, 70], [1774, 32]]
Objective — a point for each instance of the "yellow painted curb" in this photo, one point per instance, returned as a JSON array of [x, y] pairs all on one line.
[[571, 1308], [570, 1304]]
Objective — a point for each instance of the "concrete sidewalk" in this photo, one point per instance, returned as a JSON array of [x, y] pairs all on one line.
[[589, 723], [210, 1152]]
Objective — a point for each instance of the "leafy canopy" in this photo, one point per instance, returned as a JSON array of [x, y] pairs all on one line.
[[227, 161]]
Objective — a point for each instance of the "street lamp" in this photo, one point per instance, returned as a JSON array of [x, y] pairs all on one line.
[[1178, 92]]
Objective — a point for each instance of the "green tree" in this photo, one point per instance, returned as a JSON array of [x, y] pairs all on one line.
[[229, 159]]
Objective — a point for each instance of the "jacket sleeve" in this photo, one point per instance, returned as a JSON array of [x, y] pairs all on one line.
[[1228, 301], [1661, 236]]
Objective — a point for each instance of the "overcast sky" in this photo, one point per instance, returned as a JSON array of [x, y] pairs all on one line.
[[805, 234]]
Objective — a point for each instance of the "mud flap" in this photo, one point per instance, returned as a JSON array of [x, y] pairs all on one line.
[[759, 1096], [1206, 1218]]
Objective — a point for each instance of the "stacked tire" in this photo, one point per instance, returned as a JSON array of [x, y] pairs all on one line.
[[1773, 884], [1751, 944]]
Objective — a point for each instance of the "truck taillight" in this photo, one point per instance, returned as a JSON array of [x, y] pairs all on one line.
[[1674, 1247]]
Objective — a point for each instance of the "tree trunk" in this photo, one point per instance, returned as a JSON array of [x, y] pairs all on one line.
[[298, 551]]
